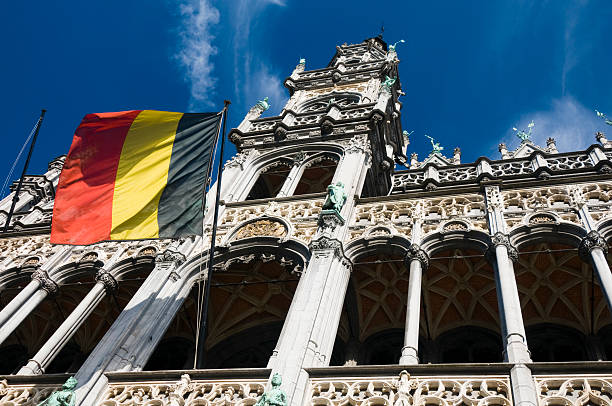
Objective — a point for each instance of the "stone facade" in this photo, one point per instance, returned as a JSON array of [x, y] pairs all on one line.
[[445, 283]]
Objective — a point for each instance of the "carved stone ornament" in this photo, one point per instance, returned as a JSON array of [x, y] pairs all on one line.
[[502, 239], [592, 240], [577, 199], [416, 253], [494, 198], [45, 282], [261, 228], [109, 282], [455, 226], [170, 257], [542, 218], [329, 220]]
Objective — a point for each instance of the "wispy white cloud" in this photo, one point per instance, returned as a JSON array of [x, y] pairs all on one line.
[[197, 49], [570, 123], [253, 78]]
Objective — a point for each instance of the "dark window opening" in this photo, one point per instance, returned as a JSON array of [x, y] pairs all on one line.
[[469, 344], [317, 176], [270, 181], [549, 343]]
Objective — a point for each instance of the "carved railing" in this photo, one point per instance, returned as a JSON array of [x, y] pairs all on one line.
[[574, 390], [425, 390], [27, 394], [184, 392], [537, 165]]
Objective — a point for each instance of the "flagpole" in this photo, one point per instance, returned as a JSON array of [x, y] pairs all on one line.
[[25, 168], [203, 324]]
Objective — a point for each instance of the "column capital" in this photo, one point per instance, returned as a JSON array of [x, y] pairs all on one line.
[[46, 283], [501, 239], [104, 277], [415, 252], [592, 240]]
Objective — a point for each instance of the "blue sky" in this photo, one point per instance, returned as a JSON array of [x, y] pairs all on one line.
[[471, 70]]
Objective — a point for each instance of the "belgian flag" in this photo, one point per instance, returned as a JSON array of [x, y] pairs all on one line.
[[132, 175]]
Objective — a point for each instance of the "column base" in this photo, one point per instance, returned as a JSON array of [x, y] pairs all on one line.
[[523, 386], [410, 356]]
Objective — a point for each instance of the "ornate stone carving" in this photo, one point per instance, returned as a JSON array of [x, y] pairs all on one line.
[[455, 226], [261, 228], [170, 257], [359, 143], [567, 390], [494, 198], [592, 240], [415, 252], [409, 390], [46, 283], [502, 239], [64, 396], [542, 218], [109, 282], [576, 197]]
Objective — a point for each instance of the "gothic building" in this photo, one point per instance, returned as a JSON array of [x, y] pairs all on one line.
[[447, 283]]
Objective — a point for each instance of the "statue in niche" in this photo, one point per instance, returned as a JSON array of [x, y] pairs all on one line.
[[436, 148], [275, 396], [64, 396], [336, 197]]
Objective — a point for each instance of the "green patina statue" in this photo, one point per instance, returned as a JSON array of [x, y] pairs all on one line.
[[336, 197], [524, 136], [602, 115], [302, 61], [64, 396], [275, 396], [388, 83], [436, 148], [263, 104], [392, 47]]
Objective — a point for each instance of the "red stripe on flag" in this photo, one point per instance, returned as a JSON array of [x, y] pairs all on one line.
[[88, 179]]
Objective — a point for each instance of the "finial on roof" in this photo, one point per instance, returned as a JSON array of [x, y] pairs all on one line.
[[382, 30], [392, 47], [524, 135], [263, 104], [436, 148], [602, 115]]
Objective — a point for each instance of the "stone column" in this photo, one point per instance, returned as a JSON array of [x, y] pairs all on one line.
[[416, 260], [290, 183], [501, 254], [18, 301], [593, 249], [118, 343], [47, 286], [44, 356]]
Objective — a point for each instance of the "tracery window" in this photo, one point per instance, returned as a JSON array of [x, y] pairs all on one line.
[[317, 175], [270, 181]]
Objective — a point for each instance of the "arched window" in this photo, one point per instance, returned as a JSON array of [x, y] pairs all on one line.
[[469, 344], [270, 180], [553, 343], [318, 174]]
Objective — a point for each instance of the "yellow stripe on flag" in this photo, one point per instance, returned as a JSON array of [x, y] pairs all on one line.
[[142, 174]]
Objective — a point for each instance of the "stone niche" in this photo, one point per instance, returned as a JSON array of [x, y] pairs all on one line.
[[263, 227]]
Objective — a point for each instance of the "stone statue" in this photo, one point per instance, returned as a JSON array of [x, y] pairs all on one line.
[[275, 396], [63, 397], [602, 115], [263, 104], [436, 148], [388, 83], [524, 136], [392, 47], [336, 197]]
